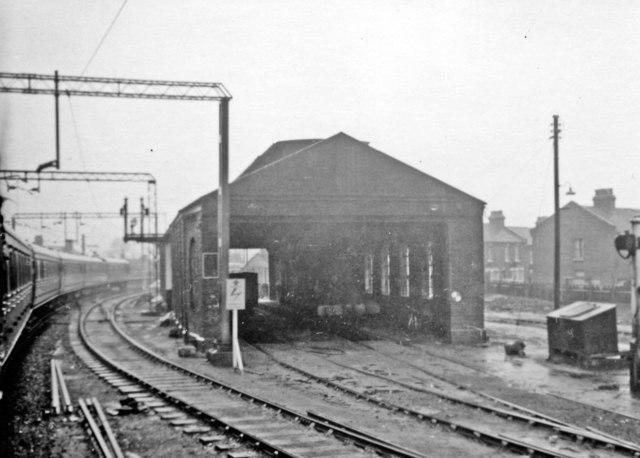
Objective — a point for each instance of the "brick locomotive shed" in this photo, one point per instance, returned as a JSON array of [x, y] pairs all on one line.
[[344, 225]]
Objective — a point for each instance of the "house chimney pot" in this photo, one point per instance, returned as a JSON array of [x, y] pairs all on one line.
[[604, 199], [496, 219]]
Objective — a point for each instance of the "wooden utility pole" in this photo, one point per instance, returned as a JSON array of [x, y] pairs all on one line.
[[556, 197]]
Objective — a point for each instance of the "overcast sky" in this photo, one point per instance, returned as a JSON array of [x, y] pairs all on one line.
[[462, 90]]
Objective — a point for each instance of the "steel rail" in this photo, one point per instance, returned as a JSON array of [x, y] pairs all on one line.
[[95, 429], [570, 430], [341, 433], [113, 443], [520, 446], [68, 405], [55, 393], [242, 435]]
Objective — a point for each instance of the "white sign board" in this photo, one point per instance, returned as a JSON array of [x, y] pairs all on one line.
[[235, 294]]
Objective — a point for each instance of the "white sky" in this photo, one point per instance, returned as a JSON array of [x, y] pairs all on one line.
[[462, 90]]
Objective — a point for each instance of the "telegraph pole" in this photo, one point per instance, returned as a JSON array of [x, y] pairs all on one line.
[[556, 197]]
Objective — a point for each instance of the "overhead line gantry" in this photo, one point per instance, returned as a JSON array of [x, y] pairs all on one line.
[[29, 83]]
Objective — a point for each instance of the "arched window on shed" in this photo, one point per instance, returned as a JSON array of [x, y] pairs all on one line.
[[404, 270], [385, 271], [368, 273], [426, 286], [193, 272]]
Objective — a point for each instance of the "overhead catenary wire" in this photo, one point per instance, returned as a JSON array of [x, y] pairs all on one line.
[[95, 52], [80, 151]]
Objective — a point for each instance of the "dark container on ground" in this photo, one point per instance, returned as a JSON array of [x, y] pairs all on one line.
[[583, 330]]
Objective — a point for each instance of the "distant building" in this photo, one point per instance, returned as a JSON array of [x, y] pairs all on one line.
[[507, 251], [587, 255]]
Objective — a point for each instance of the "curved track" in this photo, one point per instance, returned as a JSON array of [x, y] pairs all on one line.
[[259, 423]]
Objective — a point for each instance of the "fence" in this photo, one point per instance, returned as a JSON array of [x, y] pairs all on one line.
[[568, 294]]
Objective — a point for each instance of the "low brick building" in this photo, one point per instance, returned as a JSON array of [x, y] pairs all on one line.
[[343, 224], [587, 255]]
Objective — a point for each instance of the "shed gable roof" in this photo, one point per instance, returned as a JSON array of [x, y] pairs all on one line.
[[277, 151], [341, 166]]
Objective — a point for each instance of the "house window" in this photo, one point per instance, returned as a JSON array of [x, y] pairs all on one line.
[[578, 250], [404, 271], [426, 287], [385, 271], [531, 257], [489, 253], [494, 274], [517, 274], [368, 273], [507, 258], [516, 253]]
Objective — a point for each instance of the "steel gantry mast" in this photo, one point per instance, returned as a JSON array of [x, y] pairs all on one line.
[[28, 83]]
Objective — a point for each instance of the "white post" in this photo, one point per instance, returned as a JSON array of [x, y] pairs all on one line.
[[237, 356], [235, 300]]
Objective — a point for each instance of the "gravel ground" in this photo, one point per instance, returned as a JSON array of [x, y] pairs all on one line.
[[25, 432]]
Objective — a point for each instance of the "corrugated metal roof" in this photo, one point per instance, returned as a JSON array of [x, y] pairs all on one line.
[[581, 311]]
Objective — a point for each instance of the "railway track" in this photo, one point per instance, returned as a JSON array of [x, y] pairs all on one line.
[[538, 428], [257, 423]]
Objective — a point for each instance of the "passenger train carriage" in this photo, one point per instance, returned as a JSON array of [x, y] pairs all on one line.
[[32, 276]]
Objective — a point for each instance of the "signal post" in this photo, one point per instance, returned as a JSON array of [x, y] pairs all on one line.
[[627, 247], [635, 315]]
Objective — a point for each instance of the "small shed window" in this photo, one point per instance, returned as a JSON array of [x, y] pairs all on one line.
[[404, 271], [427, 275], [210, 265], [385, 271], [368, 273]]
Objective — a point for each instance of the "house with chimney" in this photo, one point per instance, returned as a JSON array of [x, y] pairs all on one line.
[[587, 254], [507, 251]]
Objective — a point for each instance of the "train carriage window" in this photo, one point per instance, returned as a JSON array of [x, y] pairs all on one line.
[[368, 273], [404, 271], [385, 271]]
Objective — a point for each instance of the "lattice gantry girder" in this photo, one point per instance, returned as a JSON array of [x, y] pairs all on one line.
[[29, 83], [27, 175]]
